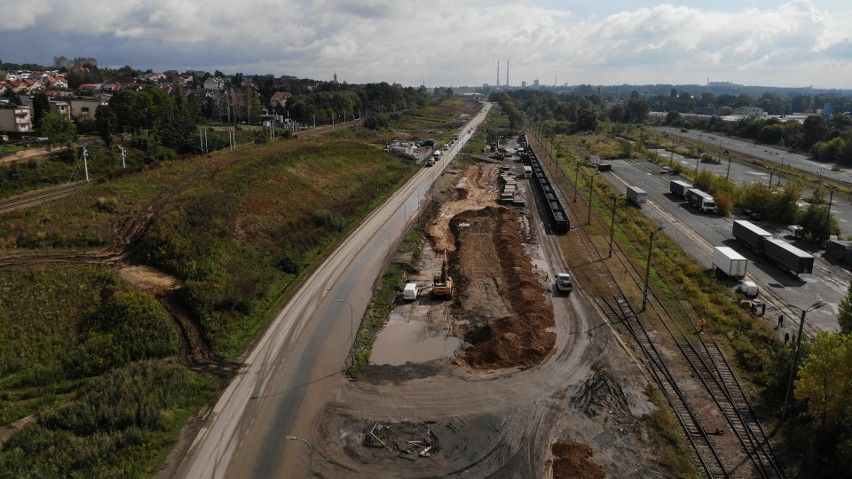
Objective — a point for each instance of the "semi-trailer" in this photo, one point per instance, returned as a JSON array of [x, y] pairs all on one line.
[[750, 234], [637, 195], [679, 188], [787, 256], [729, 262], [701, 200]]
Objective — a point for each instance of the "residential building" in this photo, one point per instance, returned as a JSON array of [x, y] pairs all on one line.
[[16, 119], [61, 108], [84, 109]]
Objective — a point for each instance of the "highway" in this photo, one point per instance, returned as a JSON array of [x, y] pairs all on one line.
[[264, 424], [698, 233]]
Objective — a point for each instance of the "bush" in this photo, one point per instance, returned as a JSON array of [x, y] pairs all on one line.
[[329, 220]]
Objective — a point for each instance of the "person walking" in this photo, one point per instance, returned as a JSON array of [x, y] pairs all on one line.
[[786, 338], [702, 324], [780, 321], [763, 309]]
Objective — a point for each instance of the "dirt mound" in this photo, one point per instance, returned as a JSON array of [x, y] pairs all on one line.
[[520, 339], [572, 459], [477, 189]]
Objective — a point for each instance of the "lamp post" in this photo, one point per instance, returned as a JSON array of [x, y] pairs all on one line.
[[720, 150], [612, 223], [671, 157], [591, 185], [828, 212], [576, 179], [728, 174], [310, 448], [697, 161], [805, 311], [648, 266], [351, 322]]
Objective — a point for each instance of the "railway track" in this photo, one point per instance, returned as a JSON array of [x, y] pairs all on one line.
[[708, 366], [24, 202]]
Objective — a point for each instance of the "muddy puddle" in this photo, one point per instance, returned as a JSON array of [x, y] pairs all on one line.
[[402, 341]]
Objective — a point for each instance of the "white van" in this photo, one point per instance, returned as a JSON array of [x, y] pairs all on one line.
[[410, 292]]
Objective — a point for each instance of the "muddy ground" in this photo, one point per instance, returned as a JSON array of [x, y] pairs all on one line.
[[534, 390]]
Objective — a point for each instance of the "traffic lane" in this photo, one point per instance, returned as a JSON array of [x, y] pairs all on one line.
[[742, 174], [766, 153], [829, 281]]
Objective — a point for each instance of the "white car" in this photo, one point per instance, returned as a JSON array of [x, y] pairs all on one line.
[[664, 170], [564, 283]]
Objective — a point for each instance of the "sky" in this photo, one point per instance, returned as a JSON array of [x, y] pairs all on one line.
[[793, 43]]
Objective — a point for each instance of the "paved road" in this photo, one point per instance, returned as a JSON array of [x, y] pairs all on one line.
[[264, 422], [699, 233]]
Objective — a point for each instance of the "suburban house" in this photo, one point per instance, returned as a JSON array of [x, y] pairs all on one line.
[[61, 108], [84, 109], [279, 99]]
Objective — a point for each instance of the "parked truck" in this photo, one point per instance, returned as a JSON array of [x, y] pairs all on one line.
[[701, 200], [729, 262], [679, 188], [636, 195], [750, 234], [787, 256]]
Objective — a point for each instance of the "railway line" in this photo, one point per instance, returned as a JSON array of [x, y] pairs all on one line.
[[41, 197], [661, 350]]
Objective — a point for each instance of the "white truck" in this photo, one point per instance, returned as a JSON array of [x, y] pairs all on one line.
[[701, 200], [729, 262], [527, 171], [637, 195]]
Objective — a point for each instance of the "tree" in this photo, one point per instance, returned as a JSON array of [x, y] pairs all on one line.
[[587, 120], [844, 316], [41, 106], [58, 128], [106, 122], [823, 382], [673, 117]]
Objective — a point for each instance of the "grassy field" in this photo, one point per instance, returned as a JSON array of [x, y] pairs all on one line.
[[93, 359]]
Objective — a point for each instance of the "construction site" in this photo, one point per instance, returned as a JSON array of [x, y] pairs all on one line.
[[488, 371]]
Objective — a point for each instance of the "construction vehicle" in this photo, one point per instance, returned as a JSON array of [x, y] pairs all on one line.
[[442, 284]]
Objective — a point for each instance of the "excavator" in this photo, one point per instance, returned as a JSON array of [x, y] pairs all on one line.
[[442, 284]]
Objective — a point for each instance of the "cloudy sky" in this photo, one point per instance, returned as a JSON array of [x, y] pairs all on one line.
[[449, 42]]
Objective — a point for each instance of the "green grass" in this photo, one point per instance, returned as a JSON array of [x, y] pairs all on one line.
[[240, 228], [672, 449]]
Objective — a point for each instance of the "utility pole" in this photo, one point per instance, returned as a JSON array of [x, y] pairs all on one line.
[[123, 156], [86, 163]]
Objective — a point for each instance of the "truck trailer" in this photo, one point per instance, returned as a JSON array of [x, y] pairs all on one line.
[[637, 195], [679, 188], [750, 234], [787, 256], [701, 200], [729, 262]]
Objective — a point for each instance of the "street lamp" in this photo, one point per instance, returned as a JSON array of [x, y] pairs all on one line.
[[310, 448], [671, 157], [805, 311], [591, 184], [648, 266], [351, 322], [728, 174], [576, 179], [612, 223]]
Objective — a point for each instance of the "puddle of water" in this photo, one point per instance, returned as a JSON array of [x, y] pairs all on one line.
[[402, 341]]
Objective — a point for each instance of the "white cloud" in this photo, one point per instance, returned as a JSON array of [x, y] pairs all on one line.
[[445, 42]]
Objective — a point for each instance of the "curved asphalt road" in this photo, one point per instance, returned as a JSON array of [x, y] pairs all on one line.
[[264, 423]]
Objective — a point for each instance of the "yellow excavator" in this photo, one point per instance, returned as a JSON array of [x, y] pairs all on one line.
[[442, 284]]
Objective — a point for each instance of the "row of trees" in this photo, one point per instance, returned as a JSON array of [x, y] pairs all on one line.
[[825, 139]]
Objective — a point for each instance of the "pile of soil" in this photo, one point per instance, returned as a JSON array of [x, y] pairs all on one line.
[[572, 459], [521, 338]]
